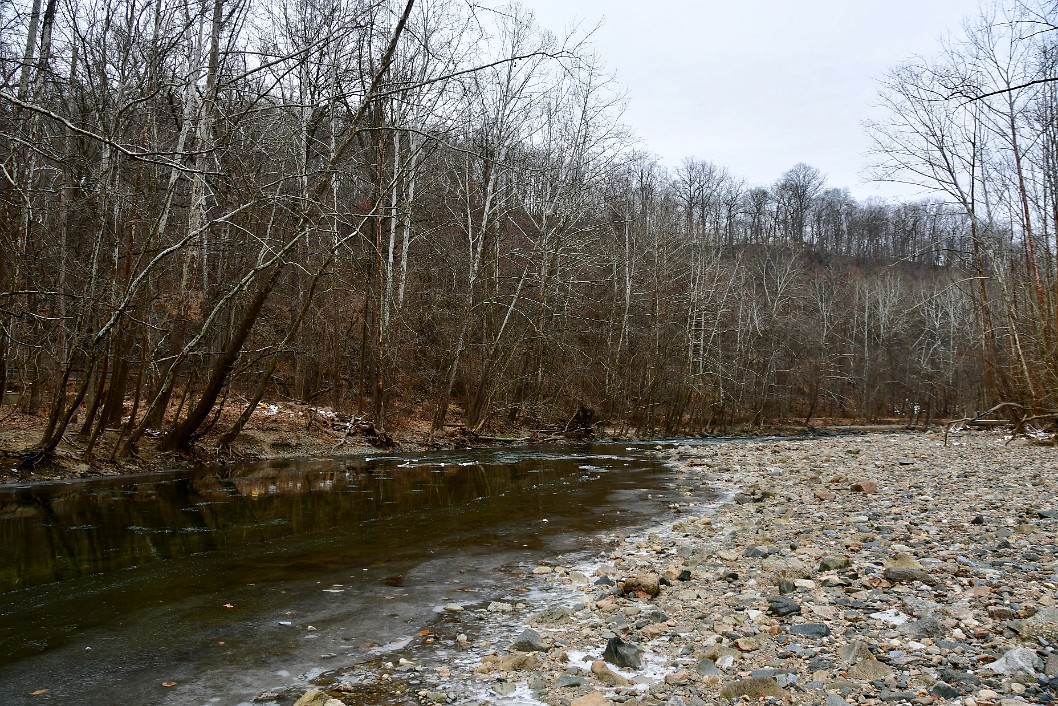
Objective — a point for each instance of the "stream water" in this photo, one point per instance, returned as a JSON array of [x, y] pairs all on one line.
[[235, 580]]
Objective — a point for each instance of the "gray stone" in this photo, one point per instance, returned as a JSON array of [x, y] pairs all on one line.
[[854, 653], [1019, 659], [570, 681], [943, 690], [926, 627], [834, 563], [623, 654], [529, 641], [782, 606], [897, 695], [1051, 667], [810, 630], [707, 668], [835, 700], [553, 615]]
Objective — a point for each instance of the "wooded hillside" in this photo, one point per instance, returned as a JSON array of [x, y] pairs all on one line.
[[432, 209]]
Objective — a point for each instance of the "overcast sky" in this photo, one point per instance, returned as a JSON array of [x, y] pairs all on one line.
[[759, 85]]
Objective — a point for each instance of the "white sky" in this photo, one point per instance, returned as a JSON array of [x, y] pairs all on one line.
[[758, 85]]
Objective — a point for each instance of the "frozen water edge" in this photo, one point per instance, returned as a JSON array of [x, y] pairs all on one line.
[[544, 592]]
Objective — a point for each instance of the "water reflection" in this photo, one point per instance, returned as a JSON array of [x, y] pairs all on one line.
[[58, 532]]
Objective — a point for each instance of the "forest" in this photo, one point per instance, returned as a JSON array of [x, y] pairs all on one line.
[[429, 209]]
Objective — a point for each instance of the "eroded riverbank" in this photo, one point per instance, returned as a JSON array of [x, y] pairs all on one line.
[[880, 569]]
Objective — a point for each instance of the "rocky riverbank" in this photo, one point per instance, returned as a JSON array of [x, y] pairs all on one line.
[[892, 568]]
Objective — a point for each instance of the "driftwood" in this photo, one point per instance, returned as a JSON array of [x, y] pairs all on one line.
[[1018, 419]]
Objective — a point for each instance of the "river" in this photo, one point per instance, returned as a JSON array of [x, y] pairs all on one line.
[[227, 582]]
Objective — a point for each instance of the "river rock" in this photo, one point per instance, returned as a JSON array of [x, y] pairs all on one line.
[[645, 585], [508, 663], [606, 675], [834, 562], [1019, 659], [864, 486], [810, 630], [504, 688], [707, 668], [902, 630], [623, 654], [854, 653], [753, 688], [1051, 667], [783, 606], [593, 699], [1042, 625], [554, 615], [945, 691], [835, 700], [315, 697], [529, 641], [869, 670]]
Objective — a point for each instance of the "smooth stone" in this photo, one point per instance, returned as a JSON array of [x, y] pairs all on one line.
[[783, 606], [810, 630], [570, 681], [896, 695], [529, 641]]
